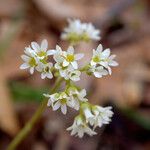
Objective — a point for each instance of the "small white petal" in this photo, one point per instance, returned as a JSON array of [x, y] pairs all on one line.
[[56, 105], [74, 64], [70, 50], [35, 46], [79, 56], [64, 109], [113, 63], [99, 48], [44, 45], [49, 103], [24, 66], [109, 70], [65, 63], [83, 93], [104, 63], [49, 75], [43, 75], [25, 57], [32, 70], [51, 52], [46, 95], [105, 53], [97, 74]]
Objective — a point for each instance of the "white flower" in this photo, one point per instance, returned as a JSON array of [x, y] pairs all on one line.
[[45, 70], [30, 60], [88, 114], [77, 31], [71, 58], [76, 97], [41, 50], [66, 63], [102, 115], [98, 71], [68, 72], [91, 32], [58, 55], [59, 100], [52, 98], [79, 128], [103, 58], [75, 28], [74, 75]]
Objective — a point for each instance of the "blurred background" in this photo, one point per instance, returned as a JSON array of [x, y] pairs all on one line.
[[125, 28]]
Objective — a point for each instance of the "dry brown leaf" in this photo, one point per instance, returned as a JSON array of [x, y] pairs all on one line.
[[8, 121]]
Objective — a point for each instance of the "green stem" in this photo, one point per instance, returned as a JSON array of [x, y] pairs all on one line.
[[29, 125]]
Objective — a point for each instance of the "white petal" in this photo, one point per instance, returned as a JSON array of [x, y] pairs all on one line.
[[105, 53], [92, 63], [104, 63], [65, 63], [58, 48], [80, 134], [75, 78], [51, 52], [97, 74], [49, 75], [112, 57], [58, 58], [32, 70], [113, 63], [35, 46], [83, 93], [70, 50], [99, 48], [46, 95], [49, 103], [109, 70], [56, 105], [43, 75], [64, 109], [79, 56], [25, 57], [24, 66], [74, 64], [63, 73], [44, 45]]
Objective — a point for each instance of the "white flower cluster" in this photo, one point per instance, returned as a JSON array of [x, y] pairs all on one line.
[[71, 98], [66, 67], [36, 57], [77, 31], [92, 116], [101, 62], [66, 63]]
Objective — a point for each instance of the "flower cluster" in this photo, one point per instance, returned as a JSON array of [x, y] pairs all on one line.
[[36, 57], [65, 66], [91, 116], [71, 97], [77, 32], [101, 62]]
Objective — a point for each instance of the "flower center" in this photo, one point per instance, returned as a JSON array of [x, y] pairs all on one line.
[[41, 54], [47, 69], [70, 58], [85, 37], [32, 62], [63, 101], [96, 59]]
